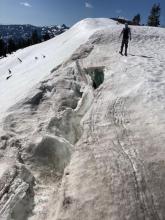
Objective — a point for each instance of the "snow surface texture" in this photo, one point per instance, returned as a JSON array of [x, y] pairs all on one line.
[[82, 130]]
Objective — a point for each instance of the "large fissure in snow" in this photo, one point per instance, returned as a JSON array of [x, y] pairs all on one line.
[[49, 121]]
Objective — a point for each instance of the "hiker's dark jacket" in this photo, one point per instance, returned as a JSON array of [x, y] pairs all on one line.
[[126, 32]]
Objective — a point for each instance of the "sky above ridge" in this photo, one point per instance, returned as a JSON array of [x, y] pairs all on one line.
[[50, 12]]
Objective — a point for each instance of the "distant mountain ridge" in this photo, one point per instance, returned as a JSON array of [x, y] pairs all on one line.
[[25, 31]]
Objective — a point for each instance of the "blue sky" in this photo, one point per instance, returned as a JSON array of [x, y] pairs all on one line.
[[49, 12]]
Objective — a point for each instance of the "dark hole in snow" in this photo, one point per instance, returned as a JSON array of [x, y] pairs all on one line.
[[67, 202], [36, 99], [97, 75]]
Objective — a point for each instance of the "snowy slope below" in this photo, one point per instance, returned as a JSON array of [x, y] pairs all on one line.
[[84, 140]]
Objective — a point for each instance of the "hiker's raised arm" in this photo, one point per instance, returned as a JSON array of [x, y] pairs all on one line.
[[121, 34], [130, 35]]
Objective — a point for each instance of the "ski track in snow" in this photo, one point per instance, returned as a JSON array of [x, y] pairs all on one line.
[[117, 165]]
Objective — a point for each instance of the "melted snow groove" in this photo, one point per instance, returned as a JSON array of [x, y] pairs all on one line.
[[50, 137]]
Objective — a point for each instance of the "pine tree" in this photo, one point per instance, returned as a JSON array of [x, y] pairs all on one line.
[[28, 42], [136, 20], [2, 48], [46, 36], [11, 45], [154, 18], [35, 38], [22, 43]]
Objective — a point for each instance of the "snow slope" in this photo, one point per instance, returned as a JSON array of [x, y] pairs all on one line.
[[69, 151], [27, 74]]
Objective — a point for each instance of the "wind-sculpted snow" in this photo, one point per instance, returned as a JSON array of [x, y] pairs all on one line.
[[83, 137], [35, 67]]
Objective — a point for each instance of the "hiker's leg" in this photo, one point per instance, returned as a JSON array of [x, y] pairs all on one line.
[[122, 46], [126, 47]]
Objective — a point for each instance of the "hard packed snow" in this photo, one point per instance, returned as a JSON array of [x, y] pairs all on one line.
[[82, 129]]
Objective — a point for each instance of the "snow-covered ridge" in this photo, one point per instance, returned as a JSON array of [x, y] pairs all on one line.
[[27, 74], [82, 127]]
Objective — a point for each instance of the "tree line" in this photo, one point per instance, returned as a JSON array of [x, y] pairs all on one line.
[[153, 18], [12, 45]]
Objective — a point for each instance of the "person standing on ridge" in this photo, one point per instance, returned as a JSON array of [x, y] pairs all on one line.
[[126, 32]]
